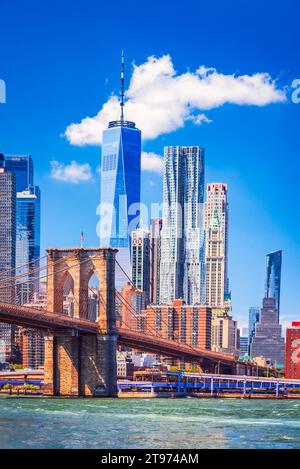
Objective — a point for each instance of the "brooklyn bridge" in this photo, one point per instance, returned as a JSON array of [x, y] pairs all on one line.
[[80, 354]]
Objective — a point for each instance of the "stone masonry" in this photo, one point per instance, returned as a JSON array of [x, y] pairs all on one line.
[[82, 365]]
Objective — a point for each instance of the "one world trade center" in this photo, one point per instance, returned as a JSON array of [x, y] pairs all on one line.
[[120, 174]]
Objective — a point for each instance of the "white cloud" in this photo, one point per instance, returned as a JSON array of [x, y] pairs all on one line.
[[152, 162], [160, 101], [73, 172]]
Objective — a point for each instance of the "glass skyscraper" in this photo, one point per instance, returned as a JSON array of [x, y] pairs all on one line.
[[273, 277], [22, 167], [28, 243], [120, 175], [24, 238], [182, 268], [27, 224], [253, 319]]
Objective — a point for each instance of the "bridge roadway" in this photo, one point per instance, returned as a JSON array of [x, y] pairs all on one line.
[[49, 321]]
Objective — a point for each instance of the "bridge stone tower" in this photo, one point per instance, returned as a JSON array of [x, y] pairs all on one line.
[[82, 365]]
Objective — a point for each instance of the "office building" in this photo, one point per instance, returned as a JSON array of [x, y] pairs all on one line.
[[273, 277], [155, 258], [224, 334], [32, 349], [7, 232], [182, 266], [216, 245], [267, 340], [7, 256], [253, 316], [292, 354], [178, 321], [27, 226], [27, 244], [22, 167], [140, 261], [120, 176], [253, 319], [26, 239], [244, 342]]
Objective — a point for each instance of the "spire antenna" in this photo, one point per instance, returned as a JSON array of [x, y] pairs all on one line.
[[122, 89]]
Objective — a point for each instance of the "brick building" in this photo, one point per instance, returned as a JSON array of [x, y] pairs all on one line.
[[178, 321]]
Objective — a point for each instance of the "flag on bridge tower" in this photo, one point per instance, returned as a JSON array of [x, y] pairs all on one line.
[[82, 239]]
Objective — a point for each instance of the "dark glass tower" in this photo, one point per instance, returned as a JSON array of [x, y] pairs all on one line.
[[22, 167], [273, 277], [28, 243], [120, 175]]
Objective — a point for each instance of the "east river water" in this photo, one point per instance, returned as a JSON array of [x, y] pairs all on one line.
[[148, 423]]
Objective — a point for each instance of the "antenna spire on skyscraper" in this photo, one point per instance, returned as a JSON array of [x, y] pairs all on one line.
[[122, 88]]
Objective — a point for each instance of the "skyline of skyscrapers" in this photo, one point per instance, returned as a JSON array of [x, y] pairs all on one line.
[[184, 256], [182, 267]]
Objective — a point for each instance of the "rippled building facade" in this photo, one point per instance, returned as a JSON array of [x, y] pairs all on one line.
[[182, 267]]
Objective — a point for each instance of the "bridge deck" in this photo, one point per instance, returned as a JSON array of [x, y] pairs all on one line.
[[50, 321]]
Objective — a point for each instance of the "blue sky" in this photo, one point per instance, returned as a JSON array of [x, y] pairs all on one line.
[[60, 62]]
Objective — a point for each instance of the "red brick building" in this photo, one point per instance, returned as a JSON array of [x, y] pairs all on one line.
[[178, 321], [292, 355]]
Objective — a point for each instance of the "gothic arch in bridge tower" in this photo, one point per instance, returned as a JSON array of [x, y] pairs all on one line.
[[81, 264], [68, 294]]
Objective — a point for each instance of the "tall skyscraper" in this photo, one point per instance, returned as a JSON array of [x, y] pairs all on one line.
[[27, 225], [7, 253], [155, 257], [7, 230], [182, 267], [27, 244], [22, 167], [273, 277], [120, 175], [267, 340], [140, 260], [216, 245], [26, 238]]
